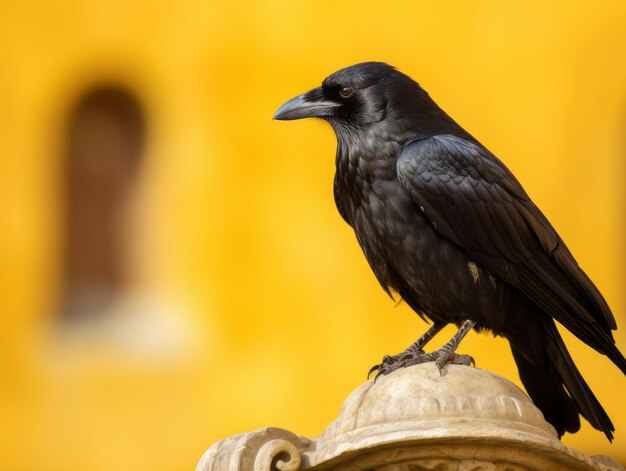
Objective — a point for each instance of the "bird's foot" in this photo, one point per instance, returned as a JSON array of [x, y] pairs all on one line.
[[442, 357], [391, 363]]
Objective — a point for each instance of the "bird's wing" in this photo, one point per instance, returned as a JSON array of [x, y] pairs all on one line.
[[472, 199]]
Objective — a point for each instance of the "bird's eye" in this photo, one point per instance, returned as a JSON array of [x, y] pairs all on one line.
[[346, 92]]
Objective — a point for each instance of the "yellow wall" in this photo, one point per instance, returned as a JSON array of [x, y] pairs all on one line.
[[267, 311]]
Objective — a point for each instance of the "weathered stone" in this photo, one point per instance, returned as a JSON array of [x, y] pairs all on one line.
[[417, 420]]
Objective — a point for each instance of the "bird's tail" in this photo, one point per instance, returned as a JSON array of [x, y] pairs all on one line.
[[611, 351], [558, 389]]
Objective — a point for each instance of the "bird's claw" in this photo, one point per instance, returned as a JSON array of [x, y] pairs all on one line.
[[391, 363], [384, 367], [445, 356], [442, 357], [371, 370]]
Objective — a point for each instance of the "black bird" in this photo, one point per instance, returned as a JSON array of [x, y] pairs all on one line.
[[445, 225]]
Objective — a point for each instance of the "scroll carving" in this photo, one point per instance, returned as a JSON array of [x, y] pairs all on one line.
[[277, 455], [267, 449]]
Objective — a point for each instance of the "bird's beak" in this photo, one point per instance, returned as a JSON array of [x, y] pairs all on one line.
[[312, 104]]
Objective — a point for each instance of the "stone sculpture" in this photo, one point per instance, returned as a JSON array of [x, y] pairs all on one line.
[[417, 420]]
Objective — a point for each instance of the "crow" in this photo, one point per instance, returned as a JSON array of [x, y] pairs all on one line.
[[446, 226]]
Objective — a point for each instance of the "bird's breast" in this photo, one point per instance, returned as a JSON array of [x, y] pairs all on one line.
[[362, 180], [370, 198]]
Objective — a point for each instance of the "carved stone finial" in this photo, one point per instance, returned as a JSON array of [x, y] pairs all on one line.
[[416, 420]]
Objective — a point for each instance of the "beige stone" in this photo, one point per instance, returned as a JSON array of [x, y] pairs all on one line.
[[416, 420]]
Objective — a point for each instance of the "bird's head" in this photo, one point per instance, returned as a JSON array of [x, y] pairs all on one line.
[[358, 95], [362, 95]]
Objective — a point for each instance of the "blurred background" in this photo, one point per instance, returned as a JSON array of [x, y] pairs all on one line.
[[172, 266]]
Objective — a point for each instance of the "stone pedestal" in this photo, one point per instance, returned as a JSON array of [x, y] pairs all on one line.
[[416, 420]]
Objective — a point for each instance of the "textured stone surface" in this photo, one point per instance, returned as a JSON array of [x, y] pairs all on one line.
[[414, 420]]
